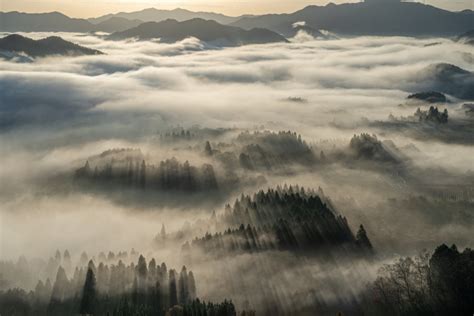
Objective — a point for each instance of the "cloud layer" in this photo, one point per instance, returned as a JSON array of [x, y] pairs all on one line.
[[57, 111]]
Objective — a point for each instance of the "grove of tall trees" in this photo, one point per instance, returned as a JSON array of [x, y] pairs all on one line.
[[141, 289]]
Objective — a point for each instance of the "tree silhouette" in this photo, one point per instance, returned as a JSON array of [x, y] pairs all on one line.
[[183, 287], [362, 239], [173, 291], [422, 285], [208, 149], [89, 294]]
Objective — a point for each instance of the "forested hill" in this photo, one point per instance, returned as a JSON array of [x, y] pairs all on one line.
[[288, 218], [49, 46]]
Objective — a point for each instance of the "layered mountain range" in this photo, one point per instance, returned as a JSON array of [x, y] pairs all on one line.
[[374, 18]]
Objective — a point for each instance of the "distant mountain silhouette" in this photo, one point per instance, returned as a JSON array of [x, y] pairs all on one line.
[[116, 24], [58, 22], [368, 18], [384, 18], [466, 38], [211, 32], [155, 15], [42, 22], [45, 47]]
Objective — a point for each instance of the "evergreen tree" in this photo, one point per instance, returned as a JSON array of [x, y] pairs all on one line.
[[183, 286], [61, 286], [208, 149], [59, 294], [362, 239], [89, 294], [192, 286], [444, 116], [84, 259], [143, 175], [142, 273], [152, 269], [57, 257], [67, 263], [173, 291]]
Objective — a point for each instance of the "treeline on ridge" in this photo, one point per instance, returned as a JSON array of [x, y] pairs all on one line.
[[170, 174], [244, 160], [284, 218]]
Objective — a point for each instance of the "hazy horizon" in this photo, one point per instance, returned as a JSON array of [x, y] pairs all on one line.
[[85, 9]]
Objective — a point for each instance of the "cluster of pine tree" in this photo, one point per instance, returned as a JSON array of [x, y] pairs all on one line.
[[366, 146], [170, 174], [180, 134], [264, 150], [24, 273], [116, 289], [198, 308], [432, 115], [173, 136], [288, 218], [248, 239]]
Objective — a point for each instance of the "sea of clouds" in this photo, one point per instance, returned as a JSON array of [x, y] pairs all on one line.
[[57, 111]]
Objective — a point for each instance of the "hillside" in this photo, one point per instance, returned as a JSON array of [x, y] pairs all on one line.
[[288, 218], [116, 24], [211, 32], [44, 47], [466, 38], [448, 79], [369, 19]]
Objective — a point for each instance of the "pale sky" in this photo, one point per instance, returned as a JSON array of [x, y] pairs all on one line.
[[93, 8]]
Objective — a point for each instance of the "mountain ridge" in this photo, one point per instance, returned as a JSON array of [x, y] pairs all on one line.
[[48, 46], [208, 31], [117, 24], [158, 15], [404, 18]]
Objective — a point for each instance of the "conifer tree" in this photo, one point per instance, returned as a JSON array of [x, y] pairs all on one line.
[[192, 286], [89, 294], [143, 175], [183, 286], [362, 239], [173, 291], [208, 149], [59, 294], [67, 263]]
